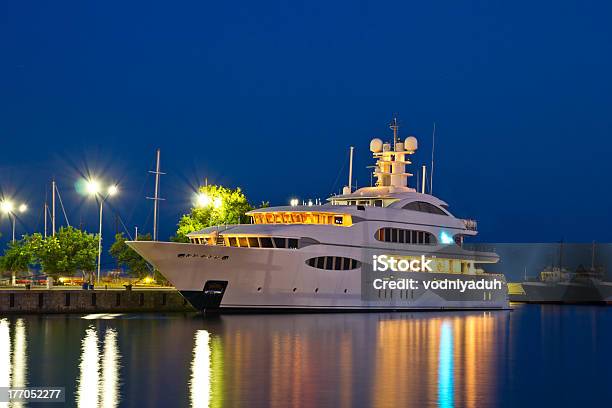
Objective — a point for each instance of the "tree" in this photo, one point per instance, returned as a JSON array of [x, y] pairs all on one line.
[[126, 256], [217, 205], [17, 257], [69, 251]]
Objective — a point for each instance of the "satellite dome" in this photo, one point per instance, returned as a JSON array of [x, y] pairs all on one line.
[[411, 144], [376, 145]]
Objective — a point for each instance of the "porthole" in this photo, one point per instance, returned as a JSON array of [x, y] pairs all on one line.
[[337, 263], [294, 289], [259, 289]]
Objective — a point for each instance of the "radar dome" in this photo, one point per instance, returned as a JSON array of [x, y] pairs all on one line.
[[411, 144], [376, 146]]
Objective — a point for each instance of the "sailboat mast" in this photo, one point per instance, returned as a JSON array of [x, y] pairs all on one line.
[[53, 207], [156, 197], [156, 200], [46, 207]]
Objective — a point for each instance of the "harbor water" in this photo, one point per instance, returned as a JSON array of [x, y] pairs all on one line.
[[534, 355]]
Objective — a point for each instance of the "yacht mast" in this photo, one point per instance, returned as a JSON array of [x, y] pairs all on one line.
[[393, 125], [433, 147], [350, 183]]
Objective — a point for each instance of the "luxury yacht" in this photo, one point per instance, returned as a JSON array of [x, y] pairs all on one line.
[[323, 256]]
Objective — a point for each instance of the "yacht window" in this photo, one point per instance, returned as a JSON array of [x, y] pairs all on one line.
[[338, 220], [337, 263], [320, 262], [328, 262], [378, 203], [233, 241], [405, 236], [293, 243], [253, 243], [242, 241], [425, 207], [279, 242], [266, 242]]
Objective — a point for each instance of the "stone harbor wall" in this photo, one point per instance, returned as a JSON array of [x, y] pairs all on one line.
[[91, 301]]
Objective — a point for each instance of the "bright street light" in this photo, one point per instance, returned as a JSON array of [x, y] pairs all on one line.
[[94, 188], [294, 202], [217, 202], [203, 200], [6, 207]]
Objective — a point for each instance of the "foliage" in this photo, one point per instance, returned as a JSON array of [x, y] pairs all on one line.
[[17, 257], [128, 257], [69, 251], [221, 206]]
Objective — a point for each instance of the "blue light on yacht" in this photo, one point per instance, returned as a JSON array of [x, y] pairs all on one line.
[[446, 379], [445, 238]]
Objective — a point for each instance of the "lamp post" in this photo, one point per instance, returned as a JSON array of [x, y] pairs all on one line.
[[8, 208], [94, 189]]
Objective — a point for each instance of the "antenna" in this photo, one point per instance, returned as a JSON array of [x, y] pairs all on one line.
[[433, 147], [424, 179], [350, 183], [393, 125], [156, 198]]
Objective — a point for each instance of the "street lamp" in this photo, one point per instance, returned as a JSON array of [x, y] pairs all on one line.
[[95, 189], [8, 208], [205, 200]]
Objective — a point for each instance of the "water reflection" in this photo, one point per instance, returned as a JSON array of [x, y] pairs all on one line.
[[98, 382], [434, 361], [87, 390], [5, 354], [13, 356], [466, 359], [445, 367], [110, 371], [199, 386]]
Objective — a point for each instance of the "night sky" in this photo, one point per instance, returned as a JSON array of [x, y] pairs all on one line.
[[269, 96]]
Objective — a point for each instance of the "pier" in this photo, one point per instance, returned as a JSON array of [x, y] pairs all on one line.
[[22, 301]]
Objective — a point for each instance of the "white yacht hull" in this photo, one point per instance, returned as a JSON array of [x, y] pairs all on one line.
[[280, 279]]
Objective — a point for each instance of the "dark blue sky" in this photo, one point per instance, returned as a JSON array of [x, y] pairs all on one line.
[[269, 95]]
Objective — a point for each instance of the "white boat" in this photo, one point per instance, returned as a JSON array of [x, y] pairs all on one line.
[[320, 257]]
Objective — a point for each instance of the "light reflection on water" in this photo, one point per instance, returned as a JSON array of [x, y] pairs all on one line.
[[98, 382], [469, 359], [13, 356], [199, 386]]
